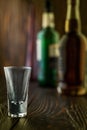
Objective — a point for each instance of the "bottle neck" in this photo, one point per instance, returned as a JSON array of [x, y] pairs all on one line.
[[48, 20], [72, 22]]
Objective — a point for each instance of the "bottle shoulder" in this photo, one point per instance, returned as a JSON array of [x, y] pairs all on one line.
[[48, 30], [73, 37], [48, 33], [70, 40]]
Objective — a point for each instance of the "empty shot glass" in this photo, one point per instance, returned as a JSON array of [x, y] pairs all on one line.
[[17, 82]]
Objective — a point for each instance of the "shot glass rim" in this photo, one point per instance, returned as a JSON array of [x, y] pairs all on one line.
[[17, 67]]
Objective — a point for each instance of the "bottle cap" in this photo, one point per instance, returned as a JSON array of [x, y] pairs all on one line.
[[48, 15], [48, 20], [48, 6]]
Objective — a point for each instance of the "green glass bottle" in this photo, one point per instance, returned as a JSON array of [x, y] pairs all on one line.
[[47, 49], [72, 54]]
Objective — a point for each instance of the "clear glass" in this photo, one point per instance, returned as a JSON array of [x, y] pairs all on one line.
[[17, 82]]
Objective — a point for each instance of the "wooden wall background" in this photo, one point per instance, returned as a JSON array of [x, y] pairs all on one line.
[[15, 25], [14, 18]]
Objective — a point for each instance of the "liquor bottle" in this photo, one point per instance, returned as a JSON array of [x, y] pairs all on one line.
[[47, 49], [72, 54]]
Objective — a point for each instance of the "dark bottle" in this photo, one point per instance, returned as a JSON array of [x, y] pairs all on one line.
[[47, 49], [72, 54]]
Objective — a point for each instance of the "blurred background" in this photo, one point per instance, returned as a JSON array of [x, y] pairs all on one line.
[[20, 20]]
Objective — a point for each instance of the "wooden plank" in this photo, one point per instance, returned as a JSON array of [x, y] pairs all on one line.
[[48, 111], [8, 123]]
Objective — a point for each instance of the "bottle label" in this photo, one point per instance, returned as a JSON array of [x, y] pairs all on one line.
[[38, 49], [53, 61], [53, 50]]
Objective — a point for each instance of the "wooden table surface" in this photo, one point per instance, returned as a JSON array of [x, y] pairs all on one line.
[[46, 111]]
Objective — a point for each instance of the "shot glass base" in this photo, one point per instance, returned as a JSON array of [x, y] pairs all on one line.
[[17, 115]]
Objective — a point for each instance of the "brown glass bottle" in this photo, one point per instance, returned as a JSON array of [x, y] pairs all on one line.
[[72, 54]]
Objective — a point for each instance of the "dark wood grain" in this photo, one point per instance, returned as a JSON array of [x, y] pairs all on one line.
[[47, 111]]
